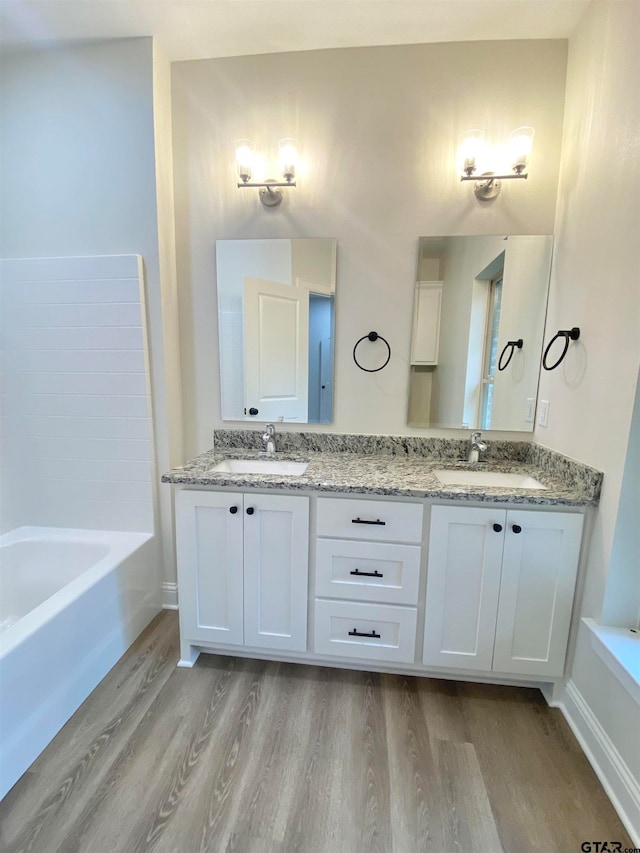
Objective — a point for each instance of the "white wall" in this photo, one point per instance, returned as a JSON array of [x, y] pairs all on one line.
[[594, 285], [80, 176], [622, 598], [462, 332], [378, 129], [596, 264], [522, 315]]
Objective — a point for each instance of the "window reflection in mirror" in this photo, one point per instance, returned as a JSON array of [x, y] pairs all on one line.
[[475, 299], [276, 329]]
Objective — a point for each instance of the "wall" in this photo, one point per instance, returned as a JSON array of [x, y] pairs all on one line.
[[378, 129], [595, 286], [79, 176], [596, 261], [622, 598]]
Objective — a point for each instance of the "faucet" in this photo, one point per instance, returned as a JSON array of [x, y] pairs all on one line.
[[476, 447], [269, 438]]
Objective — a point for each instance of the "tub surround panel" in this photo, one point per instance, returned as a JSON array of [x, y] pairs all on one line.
[[405, 469], [77, 448]]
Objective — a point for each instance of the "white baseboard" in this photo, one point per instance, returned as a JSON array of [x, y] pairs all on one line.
[[169, 596], [622, 788]]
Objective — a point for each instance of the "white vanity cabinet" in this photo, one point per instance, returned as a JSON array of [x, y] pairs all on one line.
[[500, 586], [242, 569], [368, 558]]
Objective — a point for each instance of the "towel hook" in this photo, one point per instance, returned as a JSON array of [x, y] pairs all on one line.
[[568, 335]]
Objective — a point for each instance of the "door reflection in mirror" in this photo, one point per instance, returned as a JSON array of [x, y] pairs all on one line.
[[276, 329], [493, 291]]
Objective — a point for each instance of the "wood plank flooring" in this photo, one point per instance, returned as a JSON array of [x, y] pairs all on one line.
[[264, 757]]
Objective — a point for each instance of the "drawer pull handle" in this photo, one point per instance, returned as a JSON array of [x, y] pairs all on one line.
[[250, 510], [361, 521], [356, 633], [497, 528], [516, 528], [375, 574], [233, 510]]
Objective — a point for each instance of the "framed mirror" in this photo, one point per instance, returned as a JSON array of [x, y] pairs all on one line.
[[276, 329], [478, 326]]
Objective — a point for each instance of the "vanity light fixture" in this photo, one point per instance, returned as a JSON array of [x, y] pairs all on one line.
[[472, 154], [271, 194]]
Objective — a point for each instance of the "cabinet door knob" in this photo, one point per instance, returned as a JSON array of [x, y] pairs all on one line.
[[250, 510], [497, 528], [233, 510], [516, 528]]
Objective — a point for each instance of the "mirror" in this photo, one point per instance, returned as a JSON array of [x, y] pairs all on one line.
[[276, 321], [478, 326]]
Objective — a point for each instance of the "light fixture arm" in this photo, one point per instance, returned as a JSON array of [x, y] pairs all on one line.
[[266, 184], [493, 177]]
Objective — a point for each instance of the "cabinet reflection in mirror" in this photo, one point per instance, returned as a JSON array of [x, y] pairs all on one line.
[[276, 320], [478, 328]]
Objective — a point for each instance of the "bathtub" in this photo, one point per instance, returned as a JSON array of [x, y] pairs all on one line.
[[71, 603]]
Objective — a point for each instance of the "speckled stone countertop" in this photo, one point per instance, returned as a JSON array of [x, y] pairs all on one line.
[[394, 474]]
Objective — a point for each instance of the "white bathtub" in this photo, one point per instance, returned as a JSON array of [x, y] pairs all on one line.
[[71, 603]]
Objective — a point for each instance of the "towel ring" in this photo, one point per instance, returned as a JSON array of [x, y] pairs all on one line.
[[568, 335], [372, 336], [509, 348]]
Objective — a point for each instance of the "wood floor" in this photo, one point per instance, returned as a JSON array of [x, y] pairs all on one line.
[[262, 757]]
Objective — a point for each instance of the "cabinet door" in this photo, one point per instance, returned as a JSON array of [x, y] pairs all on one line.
[[276, 569], [426, 323], [209, 545], [539, 570], [463, 582]]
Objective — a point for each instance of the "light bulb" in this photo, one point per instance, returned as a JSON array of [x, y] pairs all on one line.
[[470, 151], [244, 158], [288, 158], [520, 146]]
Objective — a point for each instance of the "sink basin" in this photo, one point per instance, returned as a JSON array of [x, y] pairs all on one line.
[[488, 478], [261, 466]]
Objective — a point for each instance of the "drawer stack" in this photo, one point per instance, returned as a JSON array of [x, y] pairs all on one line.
[[367, 579]]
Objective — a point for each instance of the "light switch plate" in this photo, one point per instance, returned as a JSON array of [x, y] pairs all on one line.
[[531, 409], [543, 413]]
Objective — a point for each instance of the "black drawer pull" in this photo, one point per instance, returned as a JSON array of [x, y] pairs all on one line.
[[360, 574], [356, 633], [250, 510], [516, 528], [497, 528], [360, 521], [233, 510]]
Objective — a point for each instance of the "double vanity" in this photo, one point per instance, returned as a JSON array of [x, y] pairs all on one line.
[[379, 552]]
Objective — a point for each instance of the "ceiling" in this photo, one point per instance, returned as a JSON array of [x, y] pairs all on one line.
[[197, 29]]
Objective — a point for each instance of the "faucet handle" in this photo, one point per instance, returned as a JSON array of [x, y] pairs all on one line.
[[270, 429], [475, 436]]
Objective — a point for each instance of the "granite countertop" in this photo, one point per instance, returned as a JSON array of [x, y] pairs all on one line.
[[382, 474]]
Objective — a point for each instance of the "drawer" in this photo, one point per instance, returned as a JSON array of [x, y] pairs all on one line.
[[376, 632], [391, 521], [367, 571]]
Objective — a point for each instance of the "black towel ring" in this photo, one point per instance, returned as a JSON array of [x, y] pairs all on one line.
[[509, 348], [568, 335], [372, 336]]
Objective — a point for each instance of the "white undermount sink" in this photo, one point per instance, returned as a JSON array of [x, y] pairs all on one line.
[[261, 466], [496, 479]]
